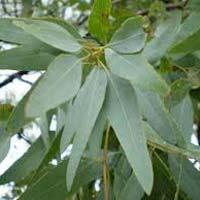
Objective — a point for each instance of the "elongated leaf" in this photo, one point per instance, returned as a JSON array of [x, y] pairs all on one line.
[[25, 58], [126, 186], [156, 141], [39, 154], [17, 118], [69, 129], [124, 116], [95, 140], [132, 190], [189, 176], [69, 27], [156, 114], [194, 5], [88, 104], [25, 165], [11, 33], [187, 39], [5, 111], [163, 38], [65, 70], [52, 185], [50, 33], [4, 142], [98, 21], [188, 60], [130, 37], [178, 91], [136, 69], [122, 172], [183, 114]]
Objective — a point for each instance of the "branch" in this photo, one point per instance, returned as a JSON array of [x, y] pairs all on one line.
[[12, 77], [169, 7]]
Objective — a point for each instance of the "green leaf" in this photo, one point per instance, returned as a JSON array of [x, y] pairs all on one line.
[[52, 185], [99, 19], [124, 116], [51, 34], [5, 111], [11, 33], [95, 140], [69, 129], [156, 114], [136, 69], [38, 155], [188, 37], [26, 164], [70, 28], [125, 185], [122, 172], [189, 176], [17, 118], [4, 142], [194, 5], [65, 70], [187, 60], [157, 142], [183, 114], [25, 58], [178, 90], [61, 116], [163, 38], [130, 37], [132, 190], [87, 106]]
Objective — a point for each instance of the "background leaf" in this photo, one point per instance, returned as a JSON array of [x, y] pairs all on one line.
[[99, 19]]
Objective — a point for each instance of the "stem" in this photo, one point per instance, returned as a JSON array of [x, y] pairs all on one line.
[[179, 180], [106, 166]]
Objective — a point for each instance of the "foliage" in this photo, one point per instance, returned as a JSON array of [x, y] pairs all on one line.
[[125, 96]]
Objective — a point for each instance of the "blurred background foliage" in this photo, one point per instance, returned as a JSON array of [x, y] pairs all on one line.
[[77, 13]]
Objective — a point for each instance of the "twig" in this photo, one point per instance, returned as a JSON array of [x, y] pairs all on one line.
[[22, 136], [169, 7], [12, 77], [106, 166], [25, 81]]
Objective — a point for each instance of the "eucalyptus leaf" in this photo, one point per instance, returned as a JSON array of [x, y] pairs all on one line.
[[87, 104], [156, 114], [96, 137], [130, 37], [4, 142], [183, 114], [124, 116], [64, 70], [132, 190], [136, 69], [25, 57], [187, 38], [7, 30], [52, 185], [99, 19], [50, 33], [26, 164], [189, 175], [164, 37]]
